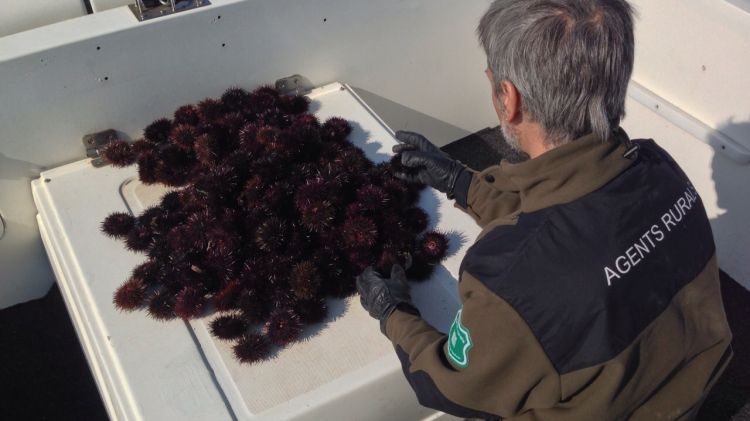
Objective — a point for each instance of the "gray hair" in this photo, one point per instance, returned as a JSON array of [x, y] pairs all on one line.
[[570, 60]]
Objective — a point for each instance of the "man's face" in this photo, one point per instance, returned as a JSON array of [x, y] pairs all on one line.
[[510, 135]]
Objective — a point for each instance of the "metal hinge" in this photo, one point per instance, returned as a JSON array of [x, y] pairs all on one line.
[[150, 9], [295, 84], [95, 144]]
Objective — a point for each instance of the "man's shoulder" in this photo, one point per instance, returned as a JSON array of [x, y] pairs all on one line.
[[583, 230]]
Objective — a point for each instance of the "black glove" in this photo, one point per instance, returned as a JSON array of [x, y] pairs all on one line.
[[430, 165], [380, 296]]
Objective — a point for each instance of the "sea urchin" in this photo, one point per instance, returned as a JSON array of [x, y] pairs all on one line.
[[228, 327], [252, 348]]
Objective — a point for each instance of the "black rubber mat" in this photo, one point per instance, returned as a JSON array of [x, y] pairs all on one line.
[[43, 372]]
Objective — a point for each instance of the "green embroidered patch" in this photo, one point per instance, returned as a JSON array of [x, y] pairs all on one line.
[[459, 342]]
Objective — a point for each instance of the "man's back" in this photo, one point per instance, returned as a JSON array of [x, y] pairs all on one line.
[[620, 288], [591, 294]]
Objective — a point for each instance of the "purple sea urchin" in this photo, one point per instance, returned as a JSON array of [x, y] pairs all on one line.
[[433, 246], [141, 146], [171, 201], [312, 311], [337, 280], [263, 99], [235, 99], [226, 298], [372, 197], [306, 128], [420, 270], [252, 306], [294, 105], [139, 238], [228, 327], [161, 306], [120, 154], [388, 258], [336, 129], [272, 234], [401, 195], [148, 165], [354, 160], [252, 348], [416, 220], [283, 327], [304, 280], [187, 114], [210, 109], [189, 303], [130, 296], [118, 224], [147, 272], [266, 135], [359, 232], [207, 150], [360, 259], [248, 139], [184, 136], [158, 131], [318, 216]]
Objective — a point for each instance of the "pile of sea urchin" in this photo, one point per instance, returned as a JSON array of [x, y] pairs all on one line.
[[271, 213]]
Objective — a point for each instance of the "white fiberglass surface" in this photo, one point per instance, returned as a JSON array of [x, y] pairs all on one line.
[[177, 370], [149, 369]]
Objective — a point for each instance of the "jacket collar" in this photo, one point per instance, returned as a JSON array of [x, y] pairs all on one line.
[[565, 173]]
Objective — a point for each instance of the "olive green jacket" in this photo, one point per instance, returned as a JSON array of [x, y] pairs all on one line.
[[592, 293]]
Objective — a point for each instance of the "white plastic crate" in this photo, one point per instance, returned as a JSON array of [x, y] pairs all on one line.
[[344, 369]]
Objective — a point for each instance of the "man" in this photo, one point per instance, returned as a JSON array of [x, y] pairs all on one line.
[[592, 292]]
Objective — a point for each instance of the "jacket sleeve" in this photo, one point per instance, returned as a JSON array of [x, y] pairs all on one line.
[[489, 366], [486, 195]]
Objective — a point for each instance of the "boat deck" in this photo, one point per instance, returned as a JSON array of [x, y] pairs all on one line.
[[44, 374]]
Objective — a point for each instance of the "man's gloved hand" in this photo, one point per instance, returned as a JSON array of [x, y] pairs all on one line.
[[430, 165], [380, 296]]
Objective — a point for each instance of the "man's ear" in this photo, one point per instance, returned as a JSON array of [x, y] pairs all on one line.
[[511, 100]]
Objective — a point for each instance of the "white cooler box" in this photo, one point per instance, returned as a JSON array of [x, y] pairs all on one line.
[[145, 369]]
